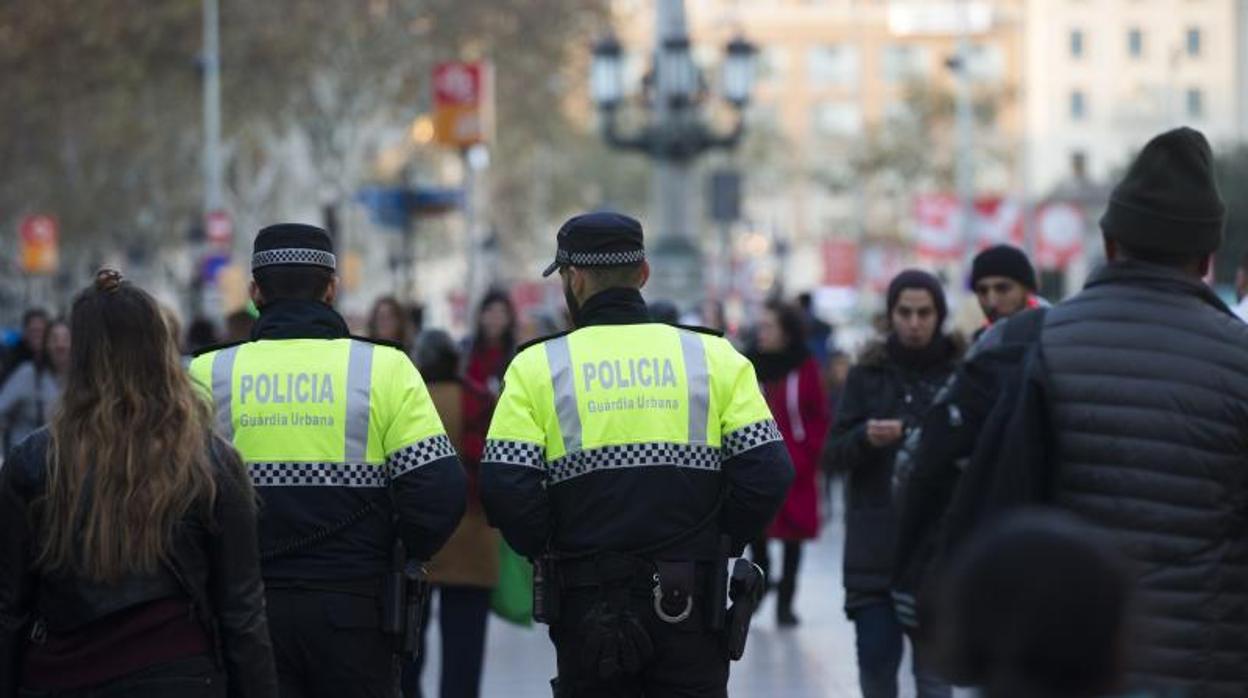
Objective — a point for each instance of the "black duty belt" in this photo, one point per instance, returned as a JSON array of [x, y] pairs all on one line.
[[673, 584]]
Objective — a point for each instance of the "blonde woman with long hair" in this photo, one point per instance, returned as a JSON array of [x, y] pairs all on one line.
[[128, 549]]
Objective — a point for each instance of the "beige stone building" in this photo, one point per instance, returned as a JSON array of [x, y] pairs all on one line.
[[1104, 76]]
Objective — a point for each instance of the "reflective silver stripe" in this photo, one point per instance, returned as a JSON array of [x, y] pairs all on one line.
[[223, 390], [318, 474], [564, 381], [699, 385], [359, 397], [691, 456]]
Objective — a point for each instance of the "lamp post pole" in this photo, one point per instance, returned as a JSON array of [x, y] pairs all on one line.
[[678, 273], [674, 137], [212, 108], [965, 143]]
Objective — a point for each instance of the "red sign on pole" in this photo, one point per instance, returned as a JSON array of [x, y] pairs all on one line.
[[219, 229], [461, 103], [39, 244], [840, 263]]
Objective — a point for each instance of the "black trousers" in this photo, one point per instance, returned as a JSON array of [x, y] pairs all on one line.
[[330, 645], [689, 660], [463, 614], [197, 677]]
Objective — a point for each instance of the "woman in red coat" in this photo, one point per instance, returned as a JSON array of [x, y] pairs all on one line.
[[791, 382]]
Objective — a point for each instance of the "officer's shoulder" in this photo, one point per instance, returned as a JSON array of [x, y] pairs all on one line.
[[541, 340], [219, 347], [699, 329], [380, 342]]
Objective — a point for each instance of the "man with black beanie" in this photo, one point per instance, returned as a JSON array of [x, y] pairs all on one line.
[[1004, 283], [1132, 416], [885, 398]]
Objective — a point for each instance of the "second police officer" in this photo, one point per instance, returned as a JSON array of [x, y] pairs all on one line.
[[630, 459], [348, 456]]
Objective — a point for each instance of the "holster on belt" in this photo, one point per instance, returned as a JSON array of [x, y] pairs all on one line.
[[746, 591], [546, 590], [404, 593]]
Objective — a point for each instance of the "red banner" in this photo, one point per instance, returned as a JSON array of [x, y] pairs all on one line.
[[938, 225], [1060, 231], [840, 263]]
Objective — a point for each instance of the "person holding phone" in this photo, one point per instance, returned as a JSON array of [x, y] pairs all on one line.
[[885, 397]]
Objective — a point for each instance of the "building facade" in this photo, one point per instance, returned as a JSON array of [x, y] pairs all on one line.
[[1104, 76], [836, 78]]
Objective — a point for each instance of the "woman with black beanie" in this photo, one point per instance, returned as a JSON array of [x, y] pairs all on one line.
[[885, 397]]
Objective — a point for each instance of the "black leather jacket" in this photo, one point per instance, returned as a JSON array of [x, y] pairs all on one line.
[[215, 563]]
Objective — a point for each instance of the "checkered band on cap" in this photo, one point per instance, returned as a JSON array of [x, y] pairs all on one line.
[[599, 259], [317, 474], [294, 255], [692, 456], [751, 436], [421, 453]]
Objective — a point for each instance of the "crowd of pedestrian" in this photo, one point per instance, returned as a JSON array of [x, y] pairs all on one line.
[[1054, 506]]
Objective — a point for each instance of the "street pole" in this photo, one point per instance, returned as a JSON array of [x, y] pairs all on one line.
[[213, 186], [678, 269], [213, 178], [475, 160], [964, 161]]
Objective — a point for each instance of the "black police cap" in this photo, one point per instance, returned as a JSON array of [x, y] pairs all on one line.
[[600, 239], [293, 244]]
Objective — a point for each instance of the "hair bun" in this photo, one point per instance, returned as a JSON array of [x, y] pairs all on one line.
[[108, 280]]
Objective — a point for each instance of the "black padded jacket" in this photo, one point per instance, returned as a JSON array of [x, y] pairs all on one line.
[[1135, 416]]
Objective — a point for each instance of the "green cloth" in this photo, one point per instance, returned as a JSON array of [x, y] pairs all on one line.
[[512, 599]]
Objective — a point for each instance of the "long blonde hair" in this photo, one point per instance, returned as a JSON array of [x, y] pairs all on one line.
[[129, 442]]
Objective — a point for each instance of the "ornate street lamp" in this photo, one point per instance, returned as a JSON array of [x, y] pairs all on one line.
[[739, 72], [606, 78], [674, 135]]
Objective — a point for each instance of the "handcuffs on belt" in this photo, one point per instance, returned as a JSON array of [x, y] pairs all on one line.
[[672, 581]]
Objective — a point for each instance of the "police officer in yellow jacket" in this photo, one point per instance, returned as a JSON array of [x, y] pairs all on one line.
[[347, 454], [630, 459]]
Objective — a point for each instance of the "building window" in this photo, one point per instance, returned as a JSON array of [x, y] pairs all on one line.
[[986, 62], [1076, 43], [773, 64], [1135, 43], [836, 119], [833, 64], [903, 62], [1194, 42], [1195, 103], [1078, 105]]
